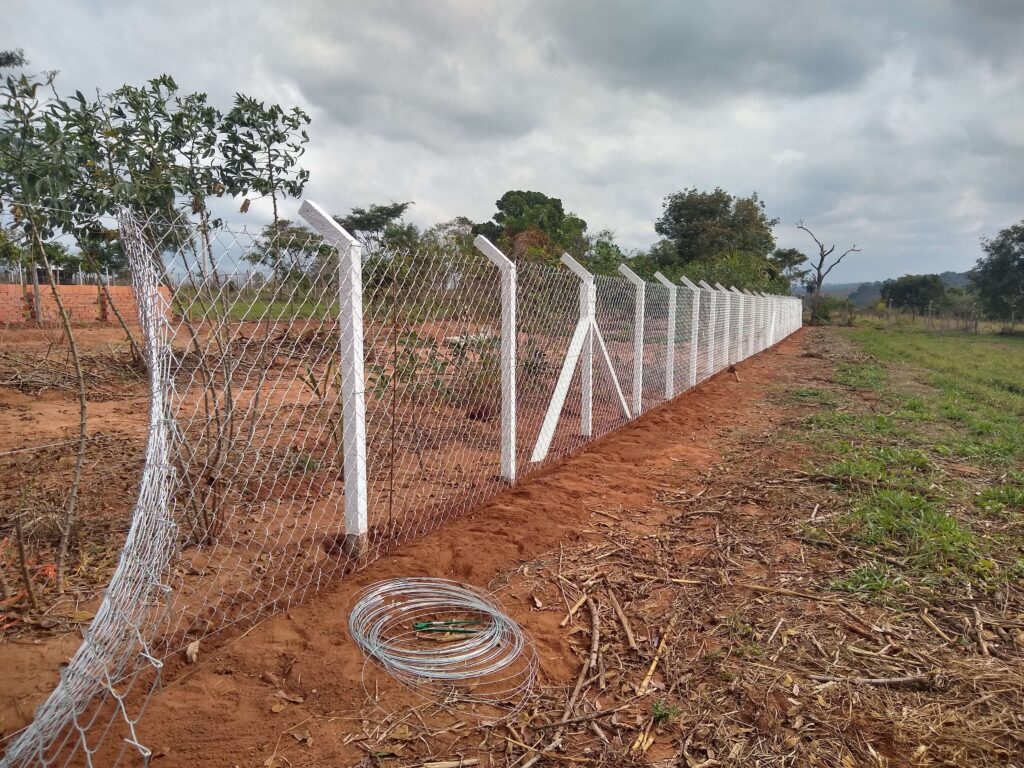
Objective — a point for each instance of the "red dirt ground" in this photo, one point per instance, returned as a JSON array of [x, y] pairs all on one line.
[[219, 712]]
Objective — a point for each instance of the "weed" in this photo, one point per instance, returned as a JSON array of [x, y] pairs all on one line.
[[664, 713], [871, 579], [860, 375], [820, 397]]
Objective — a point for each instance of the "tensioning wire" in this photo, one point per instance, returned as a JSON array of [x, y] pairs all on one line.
[[484, 654]]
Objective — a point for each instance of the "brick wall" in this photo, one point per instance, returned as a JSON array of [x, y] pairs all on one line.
[[84, 303]]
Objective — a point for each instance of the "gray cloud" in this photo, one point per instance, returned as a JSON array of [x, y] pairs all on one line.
[[897, 126]]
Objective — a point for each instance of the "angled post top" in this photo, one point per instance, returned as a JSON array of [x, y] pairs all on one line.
[[665, 281], [703, 284], [630, 275], [578, 269], [325, 226], [491, 251], [689, 283]]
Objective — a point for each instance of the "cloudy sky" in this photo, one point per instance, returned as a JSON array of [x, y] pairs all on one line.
[[895, 124]]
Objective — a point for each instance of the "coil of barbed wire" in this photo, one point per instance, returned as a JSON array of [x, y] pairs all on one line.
[[446, 641]]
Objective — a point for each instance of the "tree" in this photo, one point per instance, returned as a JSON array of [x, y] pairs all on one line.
[[741, 269], [820, 269], [381, 227], [261, 148], [12, 58], [700, 225], [998, 276], [786, 263], [603, 255], [288, 248], [532, 226], [38, 165], [916, 292]]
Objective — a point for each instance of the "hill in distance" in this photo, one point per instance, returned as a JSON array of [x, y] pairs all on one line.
[[866, 294]]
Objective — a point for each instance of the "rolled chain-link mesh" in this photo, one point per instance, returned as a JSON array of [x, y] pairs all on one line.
[[241, 503]]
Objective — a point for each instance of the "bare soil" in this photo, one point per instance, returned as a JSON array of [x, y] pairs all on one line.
[[221, 710]]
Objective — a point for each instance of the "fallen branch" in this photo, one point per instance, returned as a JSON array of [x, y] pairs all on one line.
[[651, 577], [623, 620], [906, 680], [572, 611], [642, 688], [592, 716]]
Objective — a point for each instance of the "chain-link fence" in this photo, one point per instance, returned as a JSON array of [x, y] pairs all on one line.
[[315, 402]]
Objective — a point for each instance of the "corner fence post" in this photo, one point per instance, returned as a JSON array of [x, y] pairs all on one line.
[[694, 328], [350, 366], [508, 354], [670, 337], [638, 337], [588, 309]]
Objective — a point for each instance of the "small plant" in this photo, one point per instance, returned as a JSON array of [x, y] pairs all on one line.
[[664, 713]]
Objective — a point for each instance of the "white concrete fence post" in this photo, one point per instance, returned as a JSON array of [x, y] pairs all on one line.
[[670, 337], [712, 322], [723, 296], [350, 366], [741, 323], [640, 288], [581, 347], [508, 354], [694, 328]]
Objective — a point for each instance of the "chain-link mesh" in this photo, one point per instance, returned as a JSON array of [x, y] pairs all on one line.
[[242, 503]]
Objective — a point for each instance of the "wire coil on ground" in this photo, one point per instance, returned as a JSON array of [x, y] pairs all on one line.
[[445, 640]]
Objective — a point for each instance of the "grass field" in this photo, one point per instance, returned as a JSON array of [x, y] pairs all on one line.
[[920, 439]]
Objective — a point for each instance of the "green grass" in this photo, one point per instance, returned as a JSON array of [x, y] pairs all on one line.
[[920, 441], [870, 580]]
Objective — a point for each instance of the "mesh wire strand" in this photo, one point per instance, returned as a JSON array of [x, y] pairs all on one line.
[[240, 508]]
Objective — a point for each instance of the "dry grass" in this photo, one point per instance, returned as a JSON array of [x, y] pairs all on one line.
[[722, 635]]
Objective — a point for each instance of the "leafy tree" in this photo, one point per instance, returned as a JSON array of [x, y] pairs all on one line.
[[290, 249], [738, 268], [38, 165], [603, 255], [381, 227], [261, 147], [700, 225], [998, 276], [12, 58], [786, 263], [917, 292], [530, 225]]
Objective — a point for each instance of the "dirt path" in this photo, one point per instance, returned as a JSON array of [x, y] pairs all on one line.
[[220, 712]]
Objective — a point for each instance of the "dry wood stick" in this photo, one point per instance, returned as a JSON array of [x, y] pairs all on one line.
[[906, 680], [591, 716], [651, 577], [623, 620], [642, 688], [573, 609], [556, 740], [979, 628], [934, 627]]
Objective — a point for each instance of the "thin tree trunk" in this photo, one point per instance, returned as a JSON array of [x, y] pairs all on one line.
[[136, 352], [68, 520], [23, 562], [37, 299]]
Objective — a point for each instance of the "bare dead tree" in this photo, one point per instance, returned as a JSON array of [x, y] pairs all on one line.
[[821, 268]]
